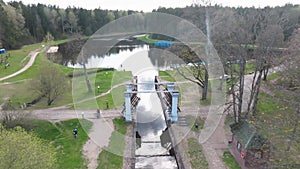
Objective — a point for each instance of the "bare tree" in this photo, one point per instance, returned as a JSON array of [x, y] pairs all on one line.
[[50, 83], [230, 36], [11, 115], [196, 71], [268, 43]]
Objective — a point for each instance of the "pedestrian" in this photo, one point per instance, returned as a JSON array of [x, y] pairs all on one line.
[[98, 114], [82, 114], [75, 132], [107, 104]]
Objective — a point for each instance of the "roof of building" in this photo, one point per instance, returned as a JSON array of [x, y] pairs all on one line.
[[53, 49], [247, 135]]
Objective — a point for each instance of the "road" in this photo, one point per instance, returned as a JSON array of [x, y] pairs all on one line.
[[32, 55]]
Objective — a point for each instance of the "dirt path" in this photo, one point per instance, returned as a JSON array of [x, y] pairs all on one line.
[[32, 55], [99, 138]]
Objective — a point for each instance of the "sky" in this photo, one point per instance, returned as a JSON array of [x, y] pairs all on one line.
[[149, 5]]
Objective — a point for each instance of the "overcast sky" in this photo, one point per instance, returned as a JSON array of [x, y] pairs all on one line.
[[148, 5]]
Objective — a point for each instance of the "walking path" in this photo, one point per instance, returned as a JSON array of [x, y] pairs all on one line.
[[99, 138], [32, 55]]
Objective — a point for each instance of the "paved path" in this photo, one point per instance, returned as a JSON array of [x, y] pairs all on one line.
[[99, 138], [60, 114], [32, 55]]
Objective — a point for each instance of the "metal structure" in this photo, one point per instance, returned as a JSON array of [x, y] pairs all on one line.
[[170, 99]]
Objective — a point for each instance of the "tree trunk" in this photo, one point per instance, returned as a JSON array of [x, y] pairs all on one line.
[[205, 87], [252, 93], [294, 130], [50, 101], [255, 99], [241, 88], [266, 71], [90, 90], [236, 118]]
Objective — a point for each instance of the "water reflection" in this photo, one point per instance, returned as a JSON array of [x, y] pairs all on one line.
[[114, 59]]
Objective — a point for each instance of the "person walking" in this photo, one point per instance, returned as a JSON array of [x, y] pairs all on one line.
[[75, 132]]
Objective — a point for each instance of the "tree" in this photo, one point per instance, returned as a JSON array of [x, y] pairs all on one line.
[[48, 37], [12, 116], [231, 36], [266, 51], [50, 83], [20, 149], [197, 72], [268, 43]]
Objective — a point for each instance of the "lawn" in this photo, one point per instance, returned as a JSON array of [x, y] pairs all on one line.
[[17, 59], [69, 149], [165, 76], [105, 80], [192, 121], [20, 89], [276, 120], [230, 161], [147, 39], [112, 156], [196, 155]]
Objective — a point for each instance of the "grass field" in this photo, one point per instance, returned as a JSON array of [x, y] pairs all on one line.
[[277, 120], [69, 149], [17, 59], [230, 161], [192, 121], [196, 155], [147, 39], [106, 80], [20, 87]]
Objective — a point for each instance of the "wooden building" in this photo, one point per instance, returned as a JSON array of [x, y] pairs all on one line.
[[249, 147]]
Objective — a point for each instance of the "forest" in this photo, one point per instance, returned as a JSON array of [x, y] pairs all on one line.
[[22, 24]]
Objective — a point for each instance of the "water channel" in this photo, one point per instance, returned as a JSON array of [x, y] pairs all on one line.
[[149, 119]]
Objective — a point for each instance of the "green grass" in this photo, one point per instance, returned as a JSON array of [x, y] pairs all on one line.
[[192, 121], [273, 76], [164, 75], [21, 84], [69, 149], [22, 91], [106, 80], [112, 157], [249, 68], [230, 161], [147, 39], [196, 155], [267, 104], [17, 59], [276, 120]]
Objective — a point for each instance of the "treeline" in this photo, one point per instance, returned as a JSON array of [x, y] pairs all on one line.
[[25, 24], [22, 24], [253, 20]]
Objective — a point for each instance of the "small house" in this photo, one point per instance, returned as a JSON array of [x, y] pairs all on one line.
[[51, 52], [249, 147]]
